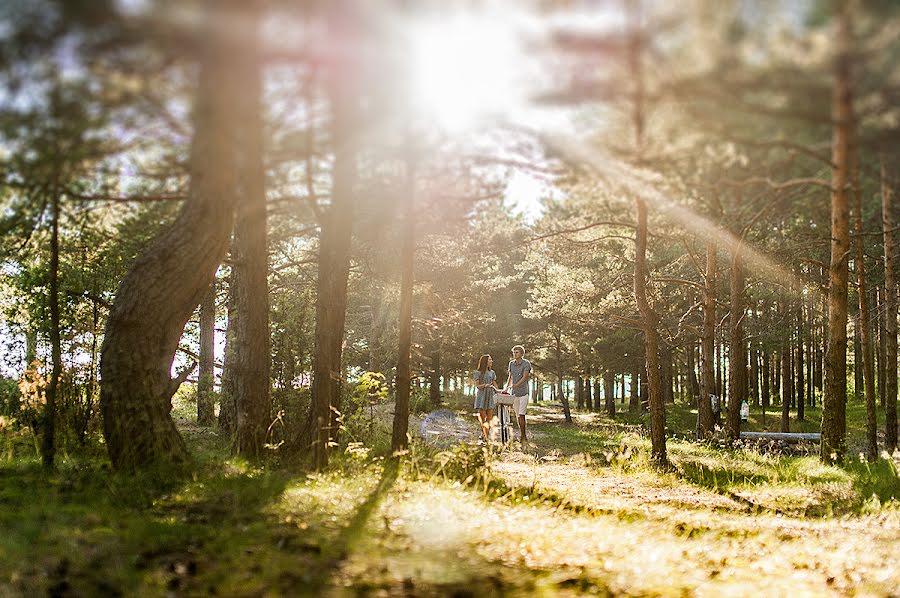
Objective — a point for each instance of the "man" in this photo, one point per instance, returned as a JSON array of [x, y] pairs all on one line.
[[517, 384]]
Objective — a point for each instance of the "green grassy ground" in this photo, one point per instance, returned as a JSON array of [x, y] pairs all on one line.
[[580, 511]]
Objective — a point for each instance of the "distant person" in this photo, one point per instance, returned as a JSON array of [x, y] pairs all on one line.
[[485, 387], [517, 385]]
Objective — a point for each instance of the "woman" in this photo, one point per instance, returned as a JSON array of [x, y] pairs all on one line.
[[484, 378]]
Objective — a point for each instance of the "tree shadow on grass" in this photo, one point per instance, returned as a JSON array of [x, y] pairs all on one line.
[[336, 552]]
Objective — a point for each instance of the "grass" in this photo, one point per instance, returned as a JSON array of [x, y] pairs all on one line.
[[582, 511]]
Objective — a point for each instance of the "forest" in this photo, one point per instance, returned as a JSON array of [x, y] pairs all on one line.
[[260, 261]]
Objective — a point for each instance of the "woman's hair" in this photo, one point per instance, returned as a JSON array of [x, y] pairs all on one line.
[[483, 364]]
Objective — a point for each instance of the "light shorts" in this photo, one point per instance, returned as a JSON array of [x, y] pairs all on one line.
[[520, 405]]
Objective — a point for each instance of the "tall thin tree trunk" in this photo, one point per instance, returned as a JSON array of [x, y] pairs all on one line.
[[834, 416], [252, 367], [754, 374], [766, 377], [167, 281], [705, 421], [399, 437], [335, 237], [48, 445], [786, 391], [567, 412], [227, 411], [890, 311], [651, 339], [206, 377], [738, 353], [589, 403], [634, 405], [864, 329], [434, 385], [609, 393], [693, 386]]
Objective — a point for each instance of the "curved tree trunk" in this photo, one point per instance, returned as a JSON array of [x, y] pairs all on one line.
[[834, 407], [167, 281]]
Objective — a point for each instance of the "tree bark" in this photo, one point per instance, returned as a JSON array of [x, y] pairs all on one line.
[[335, 240], [609, 395], [588, 400], [634, 406], [48, 444], [227, 411], [399, 436], [890, 311], [705, 421], [650, 323], [766, 377], [864, 330], [167, 281], [834, 417], [693, 386], [786, 390], [567, 412], [434, 386], [206, 377], [754, 374], [737, 369]]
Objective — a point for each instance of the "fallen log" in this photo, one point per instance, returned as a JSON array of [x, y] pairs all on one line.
[[783, 436]]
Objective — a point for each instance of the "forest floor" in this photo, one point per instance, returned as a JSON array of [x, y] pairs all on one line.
[[579, 510]]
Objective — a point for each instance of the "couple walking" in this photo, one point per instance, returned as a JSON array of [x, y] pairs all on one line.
[[516, 384]]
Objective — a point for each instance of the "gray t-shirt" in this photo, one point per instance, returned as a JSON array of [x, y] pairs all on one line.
[[517, 370]]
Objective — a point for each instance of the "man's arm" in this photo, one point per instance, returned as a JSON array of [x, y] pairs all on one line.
[[524, 379]]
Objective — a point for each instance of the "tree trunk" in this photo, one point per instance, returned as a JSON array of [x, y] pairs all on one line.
[[609, 395], [665, 373], [864, 330], [588, 400], [252, 366], [786, 391], [890, 311], [167, 281], [400, 436], [651, 339], [48, 444], [434, 386], [227, 411], [738, 352], [206, 378], [579, 393], [567, 412], [634, 406], [705, 421], [335, 241], [765, 398], [754, 375], [834, 418], [693, 386]]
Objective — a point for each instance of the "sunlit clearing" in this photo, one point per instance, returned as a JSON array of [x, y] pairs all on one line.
[[463, 68]]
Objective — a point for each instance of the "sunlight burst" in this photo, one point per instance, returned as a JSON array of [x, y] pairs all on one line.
[[462, 70]]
